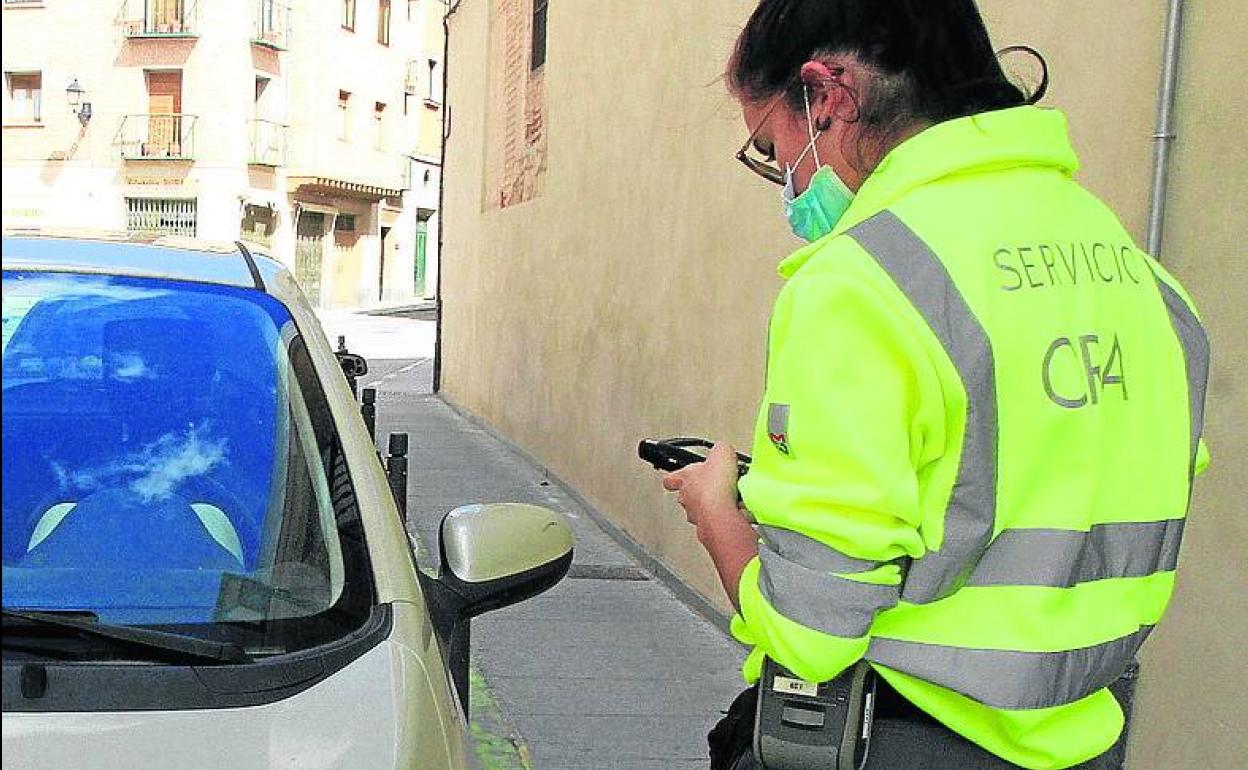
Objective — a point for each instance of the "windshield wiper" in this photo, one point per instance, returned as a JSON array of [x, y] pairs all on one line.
[[140, 638]]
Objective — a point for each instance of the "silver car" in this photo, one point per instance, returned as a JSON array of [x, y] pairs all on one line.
[[204, 566]]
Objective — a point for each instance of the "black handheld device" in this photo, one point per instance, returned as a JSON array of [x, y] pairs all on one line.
[[672, 454], [800, 724]]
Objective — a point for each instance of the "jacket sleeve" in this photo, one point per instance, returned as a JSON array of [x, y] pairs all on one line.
[[852, 407], [1202, 458]]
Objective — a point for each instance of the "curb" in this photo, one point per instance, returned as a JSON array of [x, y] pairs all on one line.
[[428, 309]]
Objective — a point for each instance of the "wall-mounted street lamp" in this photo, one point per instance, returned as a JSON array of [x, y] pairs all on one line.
[[77, 97]]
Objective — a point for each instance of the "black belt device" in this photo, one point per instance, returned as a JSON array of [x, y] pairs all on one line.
[[801, 725]]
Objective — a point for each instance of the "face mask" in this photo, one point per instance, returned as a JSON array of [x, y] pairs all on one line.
[[815, 212]]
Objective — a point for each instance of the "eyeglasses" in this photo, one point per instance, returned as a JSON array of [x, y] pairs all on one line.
[[764, 166]]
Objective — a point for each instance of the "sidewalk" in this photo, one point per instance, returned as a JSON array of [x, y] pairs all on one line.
[[609, 670]]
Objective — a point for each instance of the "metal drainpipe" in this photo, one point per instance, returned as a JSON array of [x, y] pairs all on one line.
[[1163, 139], [452, 7]]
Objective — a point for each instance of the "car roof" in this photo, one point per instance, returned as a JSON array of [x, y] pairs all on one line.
[[139, 255]]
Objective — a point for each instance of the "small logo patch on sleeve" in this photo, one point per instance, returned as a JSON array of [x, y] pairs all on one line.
[[778, 428]]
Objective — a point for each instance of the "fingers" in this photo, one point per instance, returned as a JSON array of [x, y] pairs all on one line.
[[675, 482]]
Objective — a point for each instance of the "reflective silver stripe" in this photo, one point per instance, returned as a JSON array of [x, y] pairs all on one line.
[[1195, 344], [971, 511], [820, 600], [1007, 679], [1064, 558], [810, 553], [778, 419]]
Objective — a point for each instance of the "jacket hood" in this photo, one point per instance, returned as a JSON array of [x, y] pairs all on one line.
[[983, 143]]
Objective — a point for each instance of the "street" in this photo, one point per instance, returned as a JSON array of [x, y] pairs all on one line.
[[609, 669], [962, 278], [399, 350]]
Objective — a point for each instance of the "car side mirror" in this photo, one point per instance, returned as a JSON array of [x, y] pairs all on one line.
[[499, 554], [492, 556]]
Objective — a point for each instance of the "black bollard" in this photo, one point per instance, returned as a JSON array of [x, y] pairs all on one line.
[[369, 411], [396, 471]]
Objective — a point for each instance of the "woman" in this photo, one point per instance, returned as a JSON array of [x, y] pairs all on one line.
[[983, 406]]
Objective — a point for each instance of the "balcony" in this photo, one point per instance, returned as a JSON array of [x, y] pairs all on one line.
[[406, 173], [159, 18], [268, 143], [270, 25], [419, 173], [411, 83], [157, 137]]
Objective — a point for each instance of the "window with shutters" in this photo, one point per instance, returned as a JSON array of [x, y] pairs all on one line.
[[259, 224], [166, 216], [24, 98], [383, 22], [344, 115], [379, 121], [538, 56]]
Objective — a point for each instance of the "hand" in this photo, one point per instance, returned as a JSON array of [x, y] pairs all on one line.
[[707, 489], [708, 493]]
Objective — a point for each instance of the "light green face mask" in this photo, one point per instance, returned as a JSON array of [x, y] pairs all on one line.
[[815, 212]]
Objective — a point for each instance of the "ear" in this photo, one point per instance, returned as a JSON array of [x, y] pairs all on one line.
[[833, 92]]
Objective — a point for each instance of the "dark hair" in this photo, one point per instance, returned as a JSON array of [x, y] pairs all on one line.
[[934, 56]]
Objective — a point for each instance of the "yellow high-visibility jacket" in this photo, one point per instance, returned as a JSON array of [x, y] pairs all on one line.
[[975, 452]]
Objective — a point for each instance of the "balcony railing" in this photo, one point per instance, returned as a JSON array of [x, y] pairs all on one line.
[[268, 143], [157, 137], [271, 24], [160, 18], [406, 172], [411, 83]]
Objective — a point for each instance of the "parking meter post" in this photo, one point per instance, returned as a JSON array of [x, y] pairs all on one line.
[[369, 411], [396, 471], [340, 352]]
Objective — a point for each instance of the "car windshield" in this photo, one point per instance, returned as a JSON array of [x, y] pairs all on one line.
[[170, 461]]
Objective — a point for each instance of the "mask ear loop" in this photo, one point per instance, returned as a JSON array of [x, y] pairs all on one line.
[[812, 133], [810, 129]]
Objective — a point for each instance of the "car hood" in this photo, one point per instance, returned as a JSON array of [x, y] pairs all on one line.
[[381, 711]]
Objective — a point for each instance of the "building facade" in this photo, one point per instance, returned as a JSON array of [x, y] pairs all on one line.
[[610, 267], [310, 129]]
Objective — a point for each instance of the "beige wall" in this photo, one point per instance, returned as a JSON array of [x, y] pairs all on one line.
[[1194, 703], [572, 320], [631, 297]]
